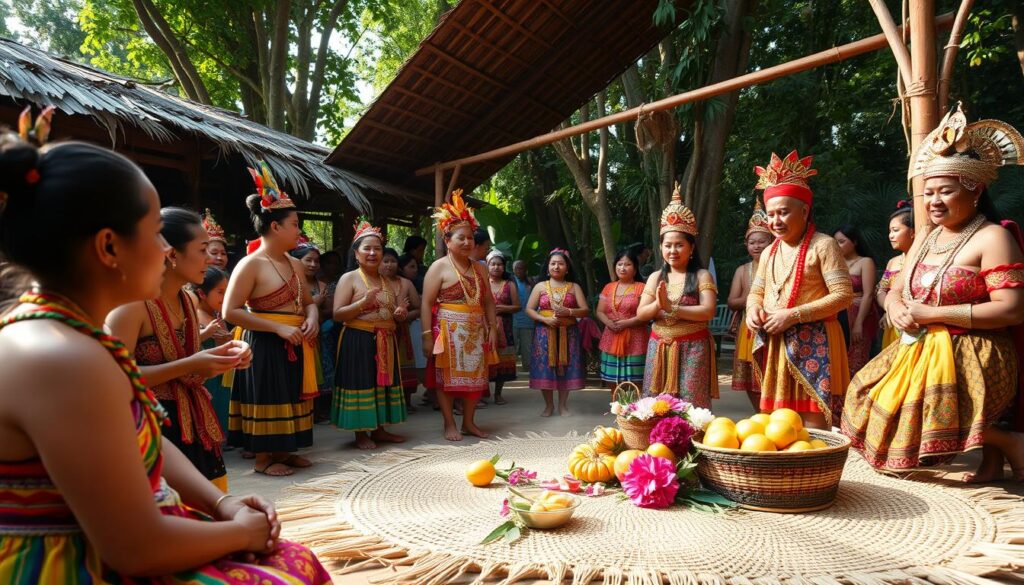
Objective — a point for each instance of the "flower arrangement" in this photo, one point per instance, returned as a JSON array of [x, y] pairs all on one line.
[[674, 432], [628, 406]]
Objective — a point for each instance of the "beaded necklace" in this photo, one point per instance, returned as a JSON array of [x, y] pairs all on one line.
[[58, 308], [797, 272], [932, 278], [473, 299], [385, 307]]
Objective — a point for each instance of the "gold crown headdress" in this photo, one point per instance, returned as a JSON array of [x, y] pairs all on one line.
[[758, 221], [971, 152], [271, 196], [213, 228], [678, 217], [786, 177], [454, 214], [364, 228]]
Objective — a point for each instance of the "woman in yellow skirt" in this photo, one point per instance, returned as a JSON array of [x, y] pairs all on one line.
[[759, 236], [901, 237], [801, 285], [955, 373]]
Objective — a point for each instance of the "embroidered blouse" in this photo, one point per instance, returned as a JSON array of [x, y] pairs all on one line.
[[825, 287]]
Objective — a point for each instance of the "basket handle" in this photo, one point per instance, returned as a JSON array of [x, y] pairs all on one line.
[[615, 391]]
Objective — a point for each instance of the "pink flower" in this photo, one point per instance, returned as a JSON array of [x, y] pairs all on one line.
[[675, 432], [674, 403], [651, 482], [505, 509], [521, 476], [595, 489]]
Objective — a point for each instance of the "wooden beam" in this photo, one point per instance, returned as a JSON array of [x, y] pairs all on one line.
[[431, 102], [454, 181], [512, 22], [892, 36], [464, 66], [482, 41], [438, 200], [826, 57], [949, 55], [450, 84], [384, 152], [396, 131], [554, 10], [413, 115], [924, 108]]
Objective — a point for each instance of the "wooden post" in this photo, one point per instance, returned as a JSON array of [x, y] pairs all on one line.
[[454, 181], [924, 111], [438, 200]]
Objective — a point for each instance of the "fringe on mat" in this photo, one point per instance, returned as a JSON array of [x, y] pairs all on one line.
[[312, 517]]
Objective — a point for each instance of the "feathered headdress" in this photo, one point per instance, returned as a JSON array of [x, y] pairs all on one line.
[[213, 228], [364, 228], [678, 217], [39, 132], [972, 153], [454, 214], [271, 196], [758, 221], [786, 177]]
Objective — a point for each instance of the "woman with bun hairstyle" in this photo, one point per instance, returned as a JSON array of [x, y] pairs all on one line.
[[79, 431], [271, 411]]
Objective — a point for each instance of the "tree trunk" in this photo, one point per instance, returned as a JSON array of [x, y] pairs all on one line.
[[160, 31], [278, 65], [307, 127]]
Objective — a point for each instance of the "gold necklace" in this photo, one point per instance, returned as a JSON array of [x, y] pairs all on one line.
[[777, 285], [556, 296], [297, 301], [932, 278], [471, 299], [384, 309]]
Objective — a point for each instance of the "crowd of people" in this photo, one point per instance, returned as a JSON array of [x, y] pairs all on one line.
[[155, 338]]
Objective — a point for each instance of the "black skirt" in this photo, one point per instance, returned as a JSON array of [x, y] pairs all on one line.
[[209, 462]]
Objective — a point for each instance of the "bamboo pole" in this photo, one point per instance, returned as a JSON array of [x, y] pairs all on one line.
[[826, 57], [892, 36], [949, 56], [438, 200], [924, 111]]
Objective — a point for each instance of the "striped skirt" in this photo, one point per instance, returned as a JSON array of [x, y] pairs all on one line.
[[360, 403], [617, 369]]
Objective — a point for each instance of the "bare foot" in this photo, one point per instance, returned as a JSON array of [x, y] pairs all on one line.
[[248, 454], [499, 401], [990, 470], [547, 411], [1016, 456], [564, 411], [274, 470], [295, 461], [383, 436], [474, 430], [363, 441], [452, 433]]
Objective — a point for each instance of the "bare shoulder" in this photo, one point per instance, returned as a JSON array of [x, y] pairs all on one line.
[[127, 314], [704, 277], [246, 265], [995, 240], [653, 279], [296, 263]]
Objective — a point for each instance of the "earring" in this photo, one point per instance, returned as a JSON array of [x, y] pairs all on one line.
[[174, 264]]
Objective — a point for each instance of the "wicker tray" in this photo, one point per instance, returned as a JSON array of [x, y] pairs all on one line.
[[782, 481]]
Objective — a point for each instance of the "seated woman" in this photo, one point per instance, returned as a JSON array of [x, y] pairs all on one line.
[[955, 373], [80, 435]]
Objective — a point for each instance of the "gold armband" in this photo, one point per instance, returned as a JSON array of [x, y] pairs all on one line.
[[707, 286], [960, 316]]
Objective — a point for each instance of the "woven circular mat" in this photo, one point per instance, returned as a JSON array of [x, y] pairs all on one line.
[[878, 525]]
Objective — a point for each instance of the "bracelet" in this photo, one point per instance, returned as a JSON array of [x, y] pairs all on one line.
[[799, 316], [219, 500], [426, 333], [960, 315]]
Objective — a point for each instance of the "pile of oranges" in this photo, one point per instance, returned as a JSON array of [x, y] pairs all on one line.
[[782, 430]]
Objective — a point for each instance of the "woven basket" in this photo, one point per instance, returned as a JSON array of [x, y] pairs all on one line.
[[782, 481], [635, 433]]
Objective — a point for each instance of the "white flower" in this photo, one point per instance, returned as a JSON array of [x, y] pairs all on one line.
[[700, 418], [616, 408], [644, 409]]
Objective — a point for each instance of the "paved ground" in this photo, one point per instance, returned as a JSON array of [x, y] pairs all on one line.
[[332, 447]]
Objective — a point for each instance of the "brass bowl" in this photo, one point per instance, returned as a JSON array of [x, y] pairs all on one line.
[[541, 520]]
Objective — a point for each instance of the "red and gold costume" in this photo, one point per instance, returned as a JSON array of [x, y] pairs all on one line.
[[930, 397], [805, 367], [742, 363]]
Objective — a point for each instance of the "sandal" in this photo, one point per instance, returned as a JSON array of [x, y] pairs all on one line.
[[267, 469]]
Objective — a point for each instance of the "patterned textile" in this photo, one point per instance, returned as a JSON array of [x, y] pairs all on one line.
[[505, 369], [617, 369], [40, 541], [860, 352], [681, 356], [460, 360], [570, 375], [923, 403], [361, 402], [407, 356], [631, 341]]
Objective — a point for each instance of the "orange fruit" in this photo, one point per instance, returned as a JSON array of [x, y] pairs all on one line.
[[480, 473], [761, 418], [747, 427], [800, 446], [723, 422], [781, 433], [819, 444], [661, 450], [788, 415], [723, 438], [803, 435], [758, 443], [623, 460]]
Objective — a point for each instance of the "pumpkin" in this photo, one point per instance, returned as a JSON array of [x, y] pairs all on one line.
[[608, 441], [589, 465]]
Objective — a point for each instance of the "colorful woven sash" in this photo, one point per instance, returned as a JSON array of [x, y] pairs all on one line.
[[665, 367], [384, 333]]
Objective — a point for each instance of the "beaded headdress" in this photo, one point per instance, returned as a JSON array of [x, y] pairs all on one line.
[[213, 229], [363, 229], [758, 221], [972, 153], [454, 214], [678, 217], [271, 196], [786, 177]]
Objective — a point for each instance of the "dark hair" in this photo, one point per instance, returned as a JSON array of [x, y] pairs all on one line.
[[853, 232], [480, 236], [413, 242], [352, 263], [390, 252], [74, 189], [330, 254], [692, 266], [214, 276], [505, 274], [987, 207], [300, 251], [570, 274], [630, 253], [404, 261], [262, 218], [904, 211], [181, 226]]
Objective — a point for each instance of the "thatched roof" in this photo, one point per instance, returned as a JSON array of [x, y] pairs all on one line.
[[120, 104]]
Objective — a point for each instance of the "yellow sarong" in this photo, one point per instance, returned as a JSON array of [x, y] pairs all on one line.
[[461, 350], [558, 352], [925, 364], [309, 353]]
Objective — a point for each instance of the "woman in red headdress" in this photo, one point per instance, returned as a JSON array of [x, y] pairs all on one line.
[[801, 285]]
